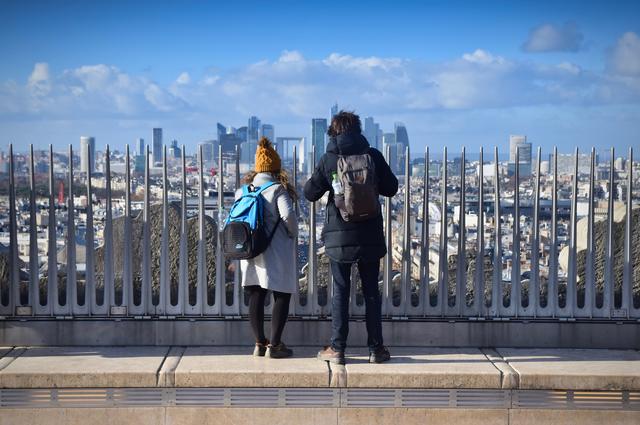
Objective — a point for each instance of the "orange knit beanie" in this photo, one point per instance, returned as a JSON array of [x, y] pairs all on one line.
[[267, 159]]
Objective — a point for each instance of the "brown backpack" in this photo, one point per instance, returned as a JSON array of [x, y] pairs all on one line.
[[357, 173]]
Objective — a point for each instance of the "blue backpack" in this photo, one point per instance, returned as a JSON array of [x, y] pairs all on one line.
[[244, 235]]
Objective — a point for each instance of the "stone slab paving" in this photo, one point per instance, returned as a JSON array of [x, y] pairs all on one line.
[[423, 367], [236, 367], [574, 369], [50, 367]]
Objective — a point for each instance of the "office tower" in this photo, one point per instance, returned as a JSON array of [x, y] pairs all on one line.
[[87, 145], [140, 146], [334, 110], [208, 151], [253, 129], [524, 155], [139, 163], [371, 130], [268, 131], [318, 135], [175, 150], [220, 131], [242, 133], [229, 143], [389, 140], [156, 143]]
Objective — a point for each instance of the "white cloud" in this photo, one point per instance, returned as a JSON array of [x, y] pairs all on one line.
[[183, 78], [553, 38], [38, 82], [624, 58]]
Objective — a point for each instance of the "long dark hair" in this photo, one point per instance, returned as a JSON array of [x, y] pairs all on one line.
[[281, 176]]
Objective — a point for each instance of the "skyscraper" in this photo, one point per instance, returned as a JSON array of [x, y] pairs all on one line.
[[268, 131], [389, 140], [334, 110], [220, 130], [156, 138], [402, 140], [253, 129], [524, 153], [140, 146], [371, 129], [87, 145], [318, 135], [174, 150], [208, 152]]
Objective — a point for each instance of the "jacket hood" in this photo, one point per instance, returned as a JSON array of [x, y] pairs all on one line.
[[347, 144]]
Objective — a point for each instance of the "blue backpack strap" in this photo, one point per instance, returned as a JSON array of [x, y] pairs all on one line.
[[260, 189]]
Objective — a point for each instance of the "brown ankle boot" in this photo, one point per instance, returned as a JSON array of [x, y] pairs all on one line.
[[330, 355]]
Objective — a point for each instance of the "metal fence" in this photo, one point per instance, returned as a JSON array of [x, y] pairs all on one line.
[[446, 296]]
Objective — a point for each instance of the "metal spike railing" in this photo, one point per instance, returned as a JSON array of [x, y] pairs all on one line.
[[573, 297]]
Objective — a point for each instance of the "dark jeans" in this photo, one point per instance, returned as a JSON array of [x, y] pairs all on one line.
[[340, 304]]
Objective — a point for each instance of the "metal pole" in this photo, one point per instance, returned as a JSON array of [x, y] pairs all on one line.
[[311, 268], [609, 301], [109, 287], [496, 290], [424, 246], [90, 284], [164, 242], [127, 275], [72, 288], [145, 294], [14, 272], [34, 279], [406, 239], [461, 263], [183, 284], [478, 302], [589, 284], [201, 297], [516, 302], [627, 284], [443, 290], [52, 266], [534, 283], [552, 284], [220, 264], [387, 265]]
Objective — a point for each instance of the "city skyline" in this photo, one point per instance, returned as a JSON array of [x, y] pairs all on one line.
[[566, 75]]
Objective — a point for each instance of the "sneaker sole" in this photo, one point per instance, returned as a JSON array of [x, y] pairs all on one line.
[[338, 361]]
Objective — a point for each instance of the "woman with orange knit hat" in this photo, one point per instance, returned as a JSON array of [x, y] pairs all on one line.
[[273, 270]]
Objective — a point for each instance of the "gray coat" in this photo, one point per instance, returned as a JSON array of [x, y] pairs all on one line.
[[274, 269]]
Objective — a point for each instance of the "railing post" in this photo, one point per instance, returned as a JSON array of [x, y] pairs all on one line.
[[589, 284], [52, 259], [405, 294], [312, 263], [424, 246], [627, 278], [164, 241], [552, 283], [145, 294], [127, 273], [183, 284], [534, 282], [496, 289], [221, 280], [295, 303], [34, 292], [478, 302], [202, 254], [608, 304], [515, 302], [109, 287], [387, 265], [443, 272], [14, 271], [90, 295], [72, 287], [237, 278]]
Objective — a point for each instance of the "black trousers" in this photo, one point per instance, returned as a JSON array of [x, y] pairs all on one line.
[[280, 311], [340, 303]]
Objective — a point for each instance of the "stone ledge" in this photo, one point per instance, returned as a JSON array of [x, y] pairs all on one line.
[[579, 369]]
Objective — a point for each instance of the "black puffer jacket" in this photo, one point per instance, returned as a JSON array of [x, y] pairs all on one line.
[[347, 242]]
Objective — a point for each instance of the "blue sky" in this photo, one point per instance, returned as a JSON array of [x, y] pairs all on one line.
[[457, 73]]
